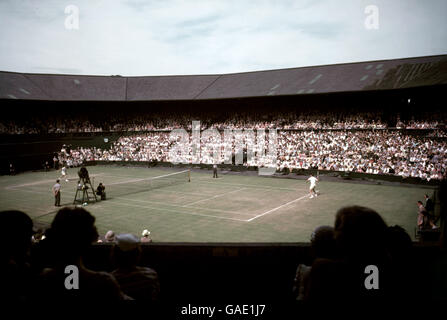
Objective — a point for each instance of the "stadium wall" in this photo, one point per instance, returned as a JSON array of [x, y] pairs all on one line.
[[29, 152]]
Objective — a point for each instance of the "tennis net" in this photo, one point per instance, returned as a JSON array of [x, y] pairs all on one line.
[[132, 186]]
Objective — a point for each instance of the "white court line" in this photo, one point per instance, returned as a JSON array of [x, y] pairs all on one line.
[[72, 193], [63, 191], [164, 189], [245, 185], [203, 180], [182, 206], [213, 183], [213, 197], [42, 182], [148, 179], [176, 211], [185, 193], [277, 208], [66, 190]]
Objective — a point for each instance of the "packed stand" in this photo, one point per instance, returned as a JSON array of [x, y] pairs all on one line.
[[371, 151], [163, 121]]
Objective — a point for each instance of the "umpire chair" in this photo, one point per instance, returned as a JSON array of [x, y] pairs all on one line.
[[84, 189]]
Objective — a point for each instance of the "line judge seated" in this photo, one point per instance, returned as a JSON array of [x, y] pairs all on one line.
[[100, 191]]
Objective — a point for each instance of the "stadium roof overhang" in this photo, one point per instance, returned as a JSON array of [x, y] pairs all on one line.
[[349, 77]]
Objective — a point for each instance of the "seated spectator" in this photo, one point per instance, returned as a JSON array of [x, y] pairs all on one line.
[[140, 283], [15, 270], [100, 191], [359, 233], [38, 236], [322, 246], [70, 236], [146, 236], [430, 207], [424, 220], [360, 240], [399, 246], [110, 236]]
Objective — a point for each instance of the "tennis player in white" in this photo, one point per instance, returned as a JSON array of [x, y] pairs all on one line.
[[64, 174], [313, 183]]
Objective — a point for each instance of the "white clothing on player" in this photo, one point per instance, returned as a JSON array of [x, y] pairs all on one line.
[[64, 173], [313, 182]]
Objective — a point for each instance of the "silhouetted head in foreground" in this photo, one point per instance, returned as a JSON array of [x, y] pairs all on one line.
[[72, 232], [359, 233], [398, 243], [17, 230], [15, 271], [323, 242]]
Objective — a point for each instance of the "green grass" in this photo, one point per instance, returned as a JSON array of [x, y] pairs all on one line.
[[233, 208]]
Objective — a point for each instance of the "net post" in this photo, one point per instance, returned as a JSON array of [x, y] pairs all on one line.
[[189, 175]]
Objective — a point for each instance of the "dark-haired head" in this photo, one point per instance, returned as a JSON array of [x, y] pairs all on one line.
[[360, 232], [323, 242], [72, 232], [17, 230], [398, 243]]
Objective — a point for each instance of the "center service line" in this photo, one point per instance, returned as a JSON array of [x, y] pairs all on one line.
[[213, 197], [277, 208]]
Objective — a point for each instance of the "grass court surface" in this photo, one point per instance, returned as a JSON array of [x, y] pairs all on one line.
[[232, 208]]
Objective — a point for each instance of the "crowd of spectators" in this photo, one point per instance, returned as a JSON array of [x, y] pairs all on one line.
[[375, 152], [340, 254], [364, 142], [365, 151], [28, 265], [154, 121]]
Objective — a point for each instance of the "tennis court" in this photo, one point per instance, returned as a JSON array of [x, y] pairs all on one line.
[[232, 208]]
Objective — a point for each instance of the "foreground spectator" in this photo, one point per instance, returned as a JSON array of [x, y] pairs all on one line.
[[430, 207], [70, 236], [322, 244], [399, 248], [15, 270], [424, 220], [38, 236], [110, 236], [145, 236], [140, 283], [360, 236]]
